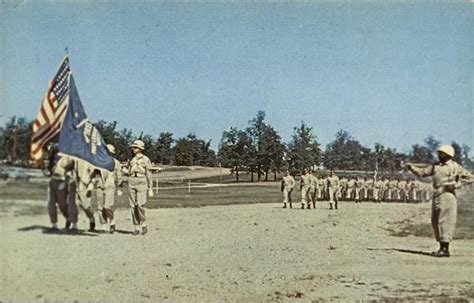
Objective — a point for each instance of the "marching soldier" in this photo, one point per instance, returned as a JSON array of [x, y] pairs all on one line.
[[287, 184], [304, 188], [333, 189], [350, 194], [313, 184], [106, 189], [139, 184], [447, 176], [378, 189], [359, 188], [391, 189], [62, 192]]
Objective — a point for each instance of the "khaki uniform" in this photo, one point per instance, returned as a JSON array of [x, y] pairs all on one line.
[[401, 190], [106, 190], [350, 194], [288, 183], [333, 188], [313, 184], [359, 190], [446, 178], [391, 189], [343, 188], [304, 187], [378, 190], [139, 183], [368, 189], [62, 191]]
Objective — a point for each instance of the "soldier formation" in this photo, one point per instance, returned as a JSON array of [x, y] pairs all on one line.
[[67, 186], [316, 186]]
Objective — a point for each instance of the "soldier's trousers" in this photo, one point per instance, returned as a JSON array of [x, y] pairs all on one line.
[[137, 199], [287, 195], [63, 195], [304, 194], [333, 194], [105, 202], [443, 216]]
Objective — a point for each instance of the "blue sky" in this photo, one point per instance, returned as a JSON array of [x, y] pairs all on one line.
[[391, 73]]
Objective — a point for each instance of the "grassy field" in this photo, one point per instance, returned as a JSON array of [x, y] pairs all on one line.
[[174, 194]]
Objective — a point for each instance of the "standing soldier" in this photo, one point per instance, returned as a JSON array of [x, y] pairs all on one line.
[[368, 188], [333, 189], [287, 184], [350, 188], [313, 184], [343, 183], [446, 176], [304, 188], [378, 187], [62, 191], [139, 185], [391, 187], [106, 189], [359, 187]]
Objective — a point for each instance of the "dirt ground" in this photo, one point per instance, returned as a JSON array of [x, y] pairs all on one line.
[[238, 253]]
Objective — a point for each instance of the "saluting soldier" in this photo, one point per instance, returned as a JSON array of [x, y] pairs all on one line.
[[287, 184], [446, 177], [139, 185]]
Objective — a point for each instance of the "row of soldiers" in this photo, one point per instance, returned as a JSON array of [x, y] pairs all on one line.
[[353, 188]]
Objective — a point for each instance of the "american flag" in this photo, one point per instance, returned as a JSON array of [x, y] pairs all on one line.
[[52, 112]]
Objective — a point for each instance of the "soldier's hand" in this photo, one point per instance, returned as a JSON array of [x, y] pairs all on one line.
[[119, 193], [150, 193]]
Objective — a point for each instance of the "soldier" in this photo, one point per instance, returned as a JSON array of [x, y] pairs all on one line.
[[106, 189], [333, 189], [287, 184], [378, 188], [304, 188], [313, 184], [401, 189], [368, 188], [343, 191], [139, 184], [359, 189], [62, 191], [350, 194], [447, 176], [391, 188]]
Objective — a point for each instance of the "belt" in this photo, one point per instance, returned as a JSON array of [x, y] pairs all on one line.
[[446, 189]]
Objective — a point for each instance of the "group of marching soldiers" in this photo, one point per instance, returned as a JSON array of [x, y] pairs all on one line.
[[359, 189], [74, 181]]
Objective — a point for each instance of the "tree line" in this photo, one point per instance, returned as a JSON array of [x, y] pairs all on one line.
[[257, 149]]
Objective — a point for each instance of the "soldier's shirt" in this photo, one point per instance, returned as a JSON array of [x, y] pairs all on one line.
[[139, 168], [288, 181], [444, 174], [313, 181], [333, 181], [305, 180]]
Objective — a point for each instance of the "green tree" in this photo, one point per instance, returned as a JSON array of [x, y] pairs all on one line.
[[234, 150], [16, 141], [345, 152], [303, 150], [164, 148]]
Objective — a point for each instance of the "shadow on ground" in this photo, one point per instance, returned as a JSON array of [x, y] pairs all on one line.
[[47, 230]]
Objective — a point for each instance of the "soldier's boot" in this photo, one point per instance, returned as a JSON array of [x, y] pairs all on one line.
[[330, 205], [308, 206], [291, 205], [443, 250], [314, 205], [284, 205], [335, 205], [302, 205]]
